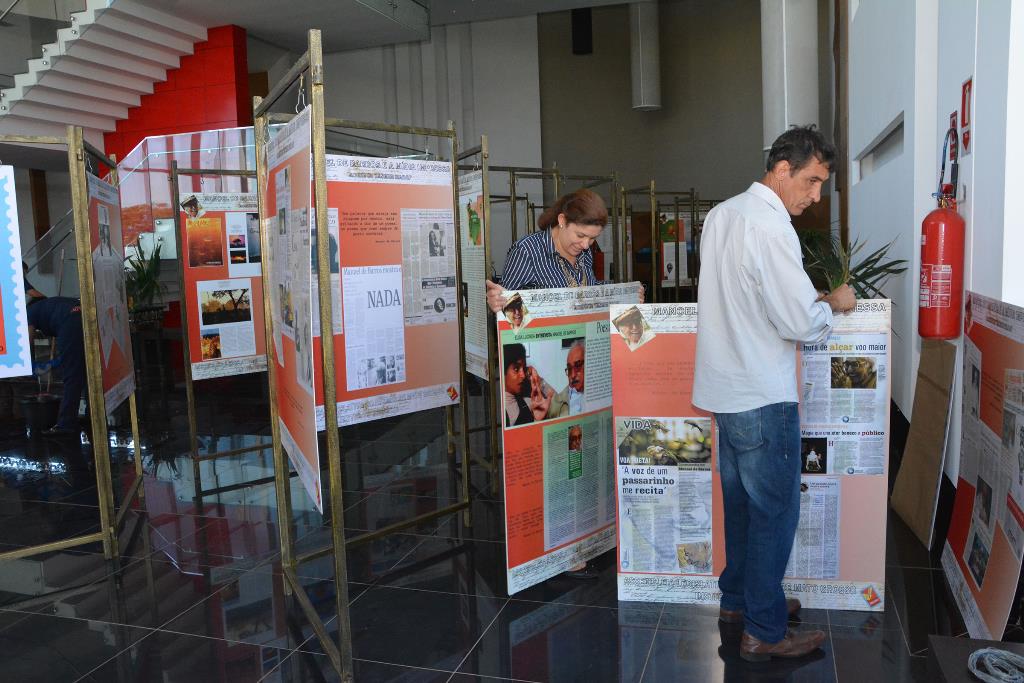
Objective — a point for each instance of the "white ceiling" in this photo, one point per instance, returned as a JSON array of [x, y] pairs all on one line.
[[352, 24]]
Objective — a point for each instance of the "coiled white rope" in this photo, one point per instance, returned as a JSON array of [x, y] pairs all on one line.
[[992, 665]]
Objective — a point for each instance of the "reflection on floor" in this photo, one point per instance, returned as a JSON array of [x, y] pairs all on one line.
[[199, 597]]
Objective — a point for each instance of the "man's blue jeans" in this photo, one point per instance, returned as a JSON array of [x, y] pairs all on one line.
[[759, 461]]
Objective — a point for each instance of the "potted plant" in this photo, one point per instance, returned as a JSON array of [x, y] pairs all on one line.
[[143, 286], [830, 264]]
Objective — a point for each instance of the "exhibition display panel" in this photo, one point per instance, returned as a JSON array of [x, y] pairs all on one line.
[[670, 514]]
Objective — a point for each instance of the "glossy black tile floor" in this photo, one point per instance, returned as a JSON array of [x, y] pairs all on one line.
[[199, 596]]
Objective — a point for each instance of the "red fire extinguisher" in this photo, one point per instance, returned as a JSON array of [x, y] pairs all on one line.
[[940, 303]]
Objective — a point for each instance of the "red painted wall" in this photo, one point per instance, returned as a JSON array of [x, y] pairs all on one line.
[[209, 90]]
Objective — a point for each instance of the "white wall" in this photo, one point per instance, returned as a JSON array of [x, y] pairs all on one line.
[[884, 87], [897, 71]]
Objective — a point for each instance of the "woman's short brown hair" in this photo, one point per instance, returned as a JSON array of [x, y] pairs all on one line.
[[584, 207]]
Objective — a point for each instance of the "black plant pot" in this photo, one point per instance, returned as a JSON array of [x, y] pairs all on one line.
[[40, 411]]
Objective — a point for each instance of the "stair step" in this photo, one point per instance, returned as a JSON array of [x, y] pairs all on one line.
[[125, 26], [157, 18], [95, 72], [42, 112], [115, 61], [75, 102], [106, 92], [102, 38]]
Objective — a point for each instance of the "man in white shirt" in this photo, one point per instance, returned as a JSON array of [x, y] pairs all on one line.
[[756, 305]]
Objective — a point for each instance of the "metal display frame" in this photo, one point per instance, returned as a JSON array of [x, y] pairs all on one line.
[[493, 426], [309, 69], [81, 156], [687, 198], [190, 396]]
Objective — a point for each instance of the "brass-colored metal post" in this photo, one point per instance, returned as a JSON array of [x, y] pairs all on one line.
[[282, 486], [679, 238], [90, 329], [654, 255], [133, 410], [625, 236], [513, 205], [186, 347], [492, 335], [467, 517], [316, 88], [616, 225]]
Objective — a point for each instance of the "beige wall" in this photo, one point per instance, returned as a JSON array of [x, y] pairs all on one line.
[[708, 132]]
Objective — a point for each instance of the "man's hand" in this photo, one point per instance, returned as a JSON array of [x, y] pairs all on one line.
[[841, 299], [539, 401], [495, 301]]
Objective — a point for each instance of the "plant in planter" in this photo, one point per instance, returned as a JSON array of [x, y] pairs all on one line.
[[830, 263], [142, 284]]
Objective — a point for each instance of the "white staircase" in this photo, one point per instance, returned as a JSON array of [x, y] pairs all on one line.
[[111, 55]]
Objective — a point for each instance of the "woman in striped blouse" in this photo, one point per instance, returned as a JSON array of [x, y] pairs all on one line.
[[557, 255]]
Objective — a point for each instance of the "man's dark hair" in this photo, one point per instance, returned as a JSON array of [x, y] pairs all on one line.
[[797, 145], [513, 354]]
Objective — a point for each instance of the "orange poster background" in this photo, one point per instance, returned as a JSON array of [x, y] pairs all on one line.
[[431, 351], [296, 409], [120, 366], [194, 275], [523, 461], [995, 598], [667, 364]]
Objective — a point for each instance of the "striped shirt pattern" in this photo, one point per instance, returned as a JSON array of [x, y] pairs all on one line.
[[533, 263]]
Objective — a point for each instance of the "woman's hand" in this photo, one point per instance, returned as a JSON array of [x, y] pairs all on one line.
[[643, 291], [495, 301], [540, 400]]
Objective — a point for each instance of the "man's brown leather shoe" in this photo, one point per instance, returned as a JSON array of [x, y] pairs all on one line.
[[795, 644], [735, 616]]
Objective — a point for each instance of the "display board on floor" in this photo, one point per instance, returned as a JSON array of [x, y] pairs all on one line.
[[671, 545], [985, 543], [556, 411]]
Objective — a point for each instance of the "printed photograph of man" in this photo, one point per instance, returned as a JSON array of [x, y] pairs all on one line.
[[191, 207], [633, 328], [436, 240], [570, 401], [516, 312], [527, 396]]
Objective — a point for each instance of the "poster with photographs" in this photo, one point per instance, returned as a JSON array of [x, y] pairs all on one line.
[[111, 302], [15, 345], [671, 545], [288, 206], [472, 213], [985, 544], [396, 334], [557, 429], [226, 332]]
